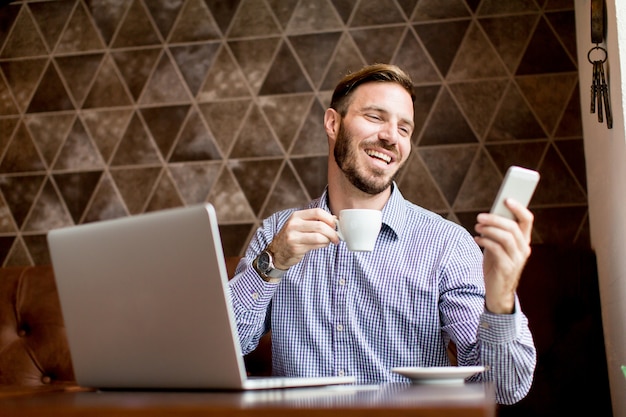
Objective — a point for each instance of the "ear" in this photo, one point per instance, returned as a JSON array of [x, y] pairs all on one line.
[[331, 123]]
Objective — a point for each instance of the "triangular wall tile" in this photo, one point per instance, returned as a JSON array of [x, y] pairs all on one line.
[[7, 128], [22, 76], [194, 61], [313, 16], [164, 13], [107, 89], [78, 151], [135, 186], [79, 72], [254, 58], [570, 124], [447, 125], [194, 24], [476, 58], [224, 119], [80, 35], [557, 185], [344, 8], [8, 14], [21, 154], [48, 212], [253, 18], [37, 246], [544, 53], [165, 85], [509, 35], [194, 181], [51, 18], [18, 255], [548, 95], [312, 139], [573, 153], [6, 243], [440, 9], [223, 12], [136, 29], [256, 138], [377, 44], [479, 101], [564, 24], [165, 124], [136, 147], [7, 225], [229, 201], [525, 154], [24, 39], [347, 59], [286, 114], [76, 190], [7, 104], [106, 202], [287, 193], [235, 238], [285, 76], [50, 94], [313, 172], [224, 80], [282, 9], [106, 128], [442, 41], [256, 179], [19, 193], [515, 120], [412, 58], [561, 225], [418, 186], [195, 143], [449, 176], [107, 15], [315, 52], [49, 133], [424, 98], [165, 195], [480, 186], [376, 12], [136, 67], [489, 7]]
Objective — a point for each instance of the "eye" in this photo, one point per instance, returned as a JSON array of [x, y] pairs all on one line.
[[374, 117], [404, 131]]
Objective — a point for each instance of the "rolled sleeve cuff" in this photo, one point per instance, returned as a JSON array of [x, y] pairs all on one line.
[[251, 291]]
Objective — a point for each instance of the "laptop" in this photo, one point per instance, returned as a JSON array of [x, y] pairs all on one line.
[[146, 306]]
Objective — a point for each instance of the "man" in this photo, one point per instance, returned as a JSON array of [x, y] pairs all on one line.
[[336, 312]]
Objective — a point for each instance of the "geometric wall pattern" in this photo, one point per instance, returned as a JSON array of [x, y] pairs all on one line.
[[111, 108]]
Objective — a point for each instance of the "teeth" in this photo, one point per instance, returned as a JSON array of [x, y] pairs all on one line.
[[379, 155]]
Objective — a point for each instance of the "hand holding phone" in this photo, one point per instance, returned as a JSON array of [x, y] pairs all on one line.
[[519, 184]]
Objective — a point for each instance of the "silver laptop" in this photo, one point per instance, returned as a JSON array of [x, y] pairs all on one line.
[[146, 306]]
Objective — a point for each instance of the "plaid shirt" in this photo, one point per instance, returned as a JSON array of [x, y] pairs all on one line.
[[338, 312]]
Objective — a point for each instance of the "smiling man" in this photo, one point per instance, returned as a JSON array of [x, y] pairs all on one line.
[[425, 284]]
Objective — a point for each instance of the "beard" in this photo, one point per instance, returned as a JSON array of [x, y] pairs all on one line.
[[346, 158]]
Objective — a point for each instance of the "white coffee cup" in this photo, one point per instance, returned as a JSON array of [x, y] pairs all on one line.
[[359, 228]]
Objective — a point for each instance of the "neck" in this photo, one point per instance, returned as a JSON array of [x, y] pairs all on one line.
[[343, 195]]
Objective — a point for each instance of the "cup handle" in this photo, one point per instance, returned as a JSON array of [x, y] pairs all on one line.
[[337, 229]]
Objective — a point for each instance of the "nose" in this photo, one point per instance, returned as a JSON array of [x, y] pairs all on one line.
[[389, 133]]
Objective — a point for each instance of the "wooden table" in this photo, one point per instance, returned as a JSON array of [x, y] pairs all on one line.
[[396, 400]]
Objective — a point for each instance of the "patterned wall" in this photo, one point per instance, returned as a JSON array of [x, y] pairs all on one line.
[[111, 108]]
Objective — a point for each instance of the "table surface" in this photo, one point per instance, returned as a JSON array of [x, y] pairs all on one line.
[[468, 399]]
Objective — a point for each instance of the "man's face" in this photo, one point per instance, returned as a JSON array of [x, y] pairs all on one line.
[[374, 137]]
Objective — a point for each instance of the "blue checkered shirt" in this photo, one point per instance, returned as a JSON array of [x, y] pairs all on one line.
[[338, 312]]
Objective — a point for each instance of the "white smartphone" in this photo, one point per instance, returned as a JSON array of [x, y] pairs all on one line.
[[519, 184]]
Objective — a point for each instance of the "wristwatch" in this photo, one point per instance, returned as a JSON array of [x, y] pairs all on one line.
[[264, 265]]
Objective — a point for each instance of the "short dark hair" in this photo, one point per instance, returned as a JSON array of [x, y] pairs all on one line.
[[370, 73]]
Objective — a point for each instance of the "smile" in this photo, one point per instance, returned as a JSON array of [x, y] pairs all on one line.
[[379, 155]]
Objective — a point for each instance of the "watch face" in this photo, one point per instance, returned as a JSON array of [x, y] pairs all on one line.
[[264, 262]]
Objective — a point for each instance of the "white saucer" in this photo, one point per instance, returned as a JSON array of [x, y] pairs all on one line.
[[438, 374]]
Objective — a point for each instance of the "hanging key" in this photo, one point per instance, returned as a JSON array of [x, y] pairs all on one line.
[[600, 94], [594, 88], [605, 96]]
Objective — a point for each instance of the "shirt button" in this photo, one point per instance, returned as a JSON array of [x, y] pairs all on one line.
[[341, 372], [342, 282], [339, 327], [255, 295]]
